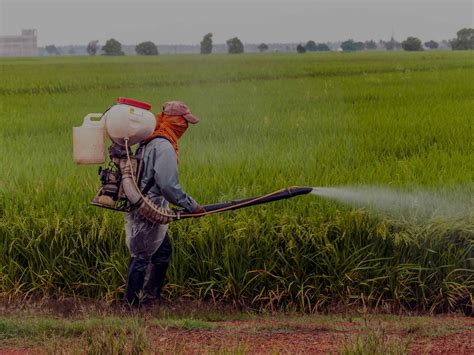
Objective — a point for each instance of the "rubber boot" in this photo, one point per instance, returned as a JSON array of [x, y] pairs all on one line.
[[135, 279], [156, 272]]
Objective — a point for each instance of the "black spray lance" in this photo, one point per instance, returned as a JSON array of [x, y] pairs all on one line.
[[282, 194]]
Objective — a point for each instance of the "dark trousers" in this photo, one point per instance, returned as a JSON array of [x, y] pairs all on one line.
[[157, 265]]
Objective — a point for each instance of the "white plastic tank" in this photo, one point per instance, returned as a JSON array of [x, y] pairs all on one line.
[[129, 119], [89, 140]]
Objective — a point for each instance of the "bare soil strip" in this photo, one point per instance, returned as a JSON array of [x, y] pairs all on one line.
[[198, 328]]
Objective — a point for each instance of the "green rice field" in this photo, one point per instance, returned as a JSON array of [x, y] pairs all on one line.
[[394, 120]]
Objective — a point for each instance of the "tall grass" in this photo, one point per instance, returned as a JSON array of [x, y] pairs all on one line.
[[375, 342], [267, 121]]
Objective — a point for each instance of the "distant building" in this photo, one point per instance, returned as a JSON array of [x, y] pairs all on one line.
[[24, 45]]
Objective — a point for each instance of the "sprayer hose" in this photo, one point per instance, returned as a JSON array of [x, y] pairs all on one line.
[[178, 215]]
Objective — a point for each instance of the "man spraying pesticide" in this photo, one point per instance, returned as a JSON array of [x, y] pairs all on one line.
[[145, 182], [146, 240]]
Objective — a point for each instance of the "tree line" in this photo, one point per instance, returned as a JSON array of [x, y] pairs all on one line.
[[464, 41]]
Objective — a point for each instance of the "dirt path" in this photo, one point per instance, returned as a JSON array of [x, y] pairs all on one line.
[[238, 342], [203, 329], [460, 343], [281, 342], [245, 337]]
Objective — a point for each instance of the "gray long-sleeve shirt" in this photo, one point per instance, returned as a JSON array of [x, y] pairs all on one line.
[[143, 238], [161, 165]]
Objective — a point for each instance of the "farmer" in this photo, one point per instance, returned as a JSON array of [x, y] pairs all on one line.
[[148, 243]]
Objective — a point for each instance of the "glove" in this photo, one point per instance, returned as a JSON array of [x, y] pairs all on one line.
[[199, 209]]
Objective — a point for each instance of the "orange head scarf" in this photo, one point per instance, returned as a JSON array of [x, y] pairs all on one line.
[[169, 127]]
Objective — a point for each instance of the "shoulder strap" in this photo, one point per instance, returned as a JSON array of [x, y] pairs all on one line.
[[148, 186]]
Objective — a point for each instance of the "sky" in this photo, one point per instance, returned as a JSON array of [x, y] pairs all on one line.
[[253, 21]]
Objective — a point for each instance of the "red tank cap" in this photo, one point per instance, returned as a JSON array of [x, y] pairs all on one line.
[[132, 102]]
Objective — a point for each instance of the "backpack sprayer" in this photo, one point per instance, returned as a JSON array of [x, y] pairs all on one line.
[[129, 122]]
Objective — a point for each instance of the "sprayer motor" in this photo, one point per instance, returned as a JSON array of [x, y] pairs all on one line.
[[111, 193], [110, 179]]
